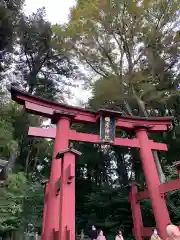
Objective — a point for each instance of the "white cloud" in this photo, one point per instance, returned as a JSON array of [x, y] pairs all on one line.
[[57, 10]]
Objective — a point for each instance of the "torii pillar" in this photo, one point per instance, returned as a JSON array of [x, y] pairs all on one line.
[[51, 223], [136, 211], [67, 194], [152, 180], [109, 121]]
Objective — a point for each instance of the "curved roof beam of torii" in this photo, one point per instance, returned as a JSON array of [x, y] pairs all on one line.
[[44, 107]]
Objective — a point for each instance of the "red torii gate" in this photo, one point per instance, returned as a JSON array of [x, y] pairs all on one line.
[[59, 206]]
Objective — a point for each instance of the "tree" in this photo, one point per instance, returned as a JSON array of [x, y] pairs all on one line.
[[135, 57], [8, 144], [41, 70], [128, 42], [11, 202], [108, 208], [33, 205], [100, 195], [10, 11], [133, 44]]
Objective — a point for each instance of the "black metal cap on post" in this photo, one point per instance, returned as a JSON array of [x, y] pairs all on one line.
[[3, 170]]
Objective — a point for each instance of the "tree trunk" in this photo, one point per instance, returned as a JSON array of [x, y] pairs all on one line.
[[162, 177], [12, 160]]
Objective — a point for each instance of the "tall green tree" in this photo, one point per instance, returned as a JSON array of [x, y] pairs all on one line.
[[11, 202], [8, 144], [10, 13], [131, 44], [40, 69]]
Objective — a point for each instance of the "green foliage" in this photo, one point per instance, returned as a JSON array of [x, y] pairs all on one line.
[[21, 203], [41, 69], [11, 199], [33, 205], [9, 15], [108, 208], [106, 92], [10, 11], [7, 142], [131, 43], [133, 50]]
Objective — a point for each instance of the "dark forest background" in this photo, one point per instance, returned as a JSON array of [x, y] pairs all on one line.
[[127, 53]]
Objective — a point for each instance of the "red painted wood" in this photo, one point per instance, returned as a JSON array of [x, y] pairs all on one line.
[[67, 193], [48, 112], [45, 107], [152, 180], [158, 126], [63, 135], [92, 138], [136, 212], [55, 234], [170, 186], [91, 117], [147, 231], [58, 186], [70, 173], [42, 132], [142, 195], [163, 188], [85, 137], [68, 234], [21, 96], [53, 204], [158, 146]]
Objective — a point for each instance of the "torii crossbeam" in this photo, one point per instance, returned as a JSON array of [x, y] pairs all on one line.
[[59, 209]]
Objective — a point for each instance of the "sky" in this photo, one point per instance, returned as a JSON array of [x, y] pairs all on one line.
[[57, 11]]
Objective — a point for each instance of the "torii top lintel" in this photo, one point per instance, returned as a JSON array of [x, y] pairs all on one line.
[[43, 107]]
